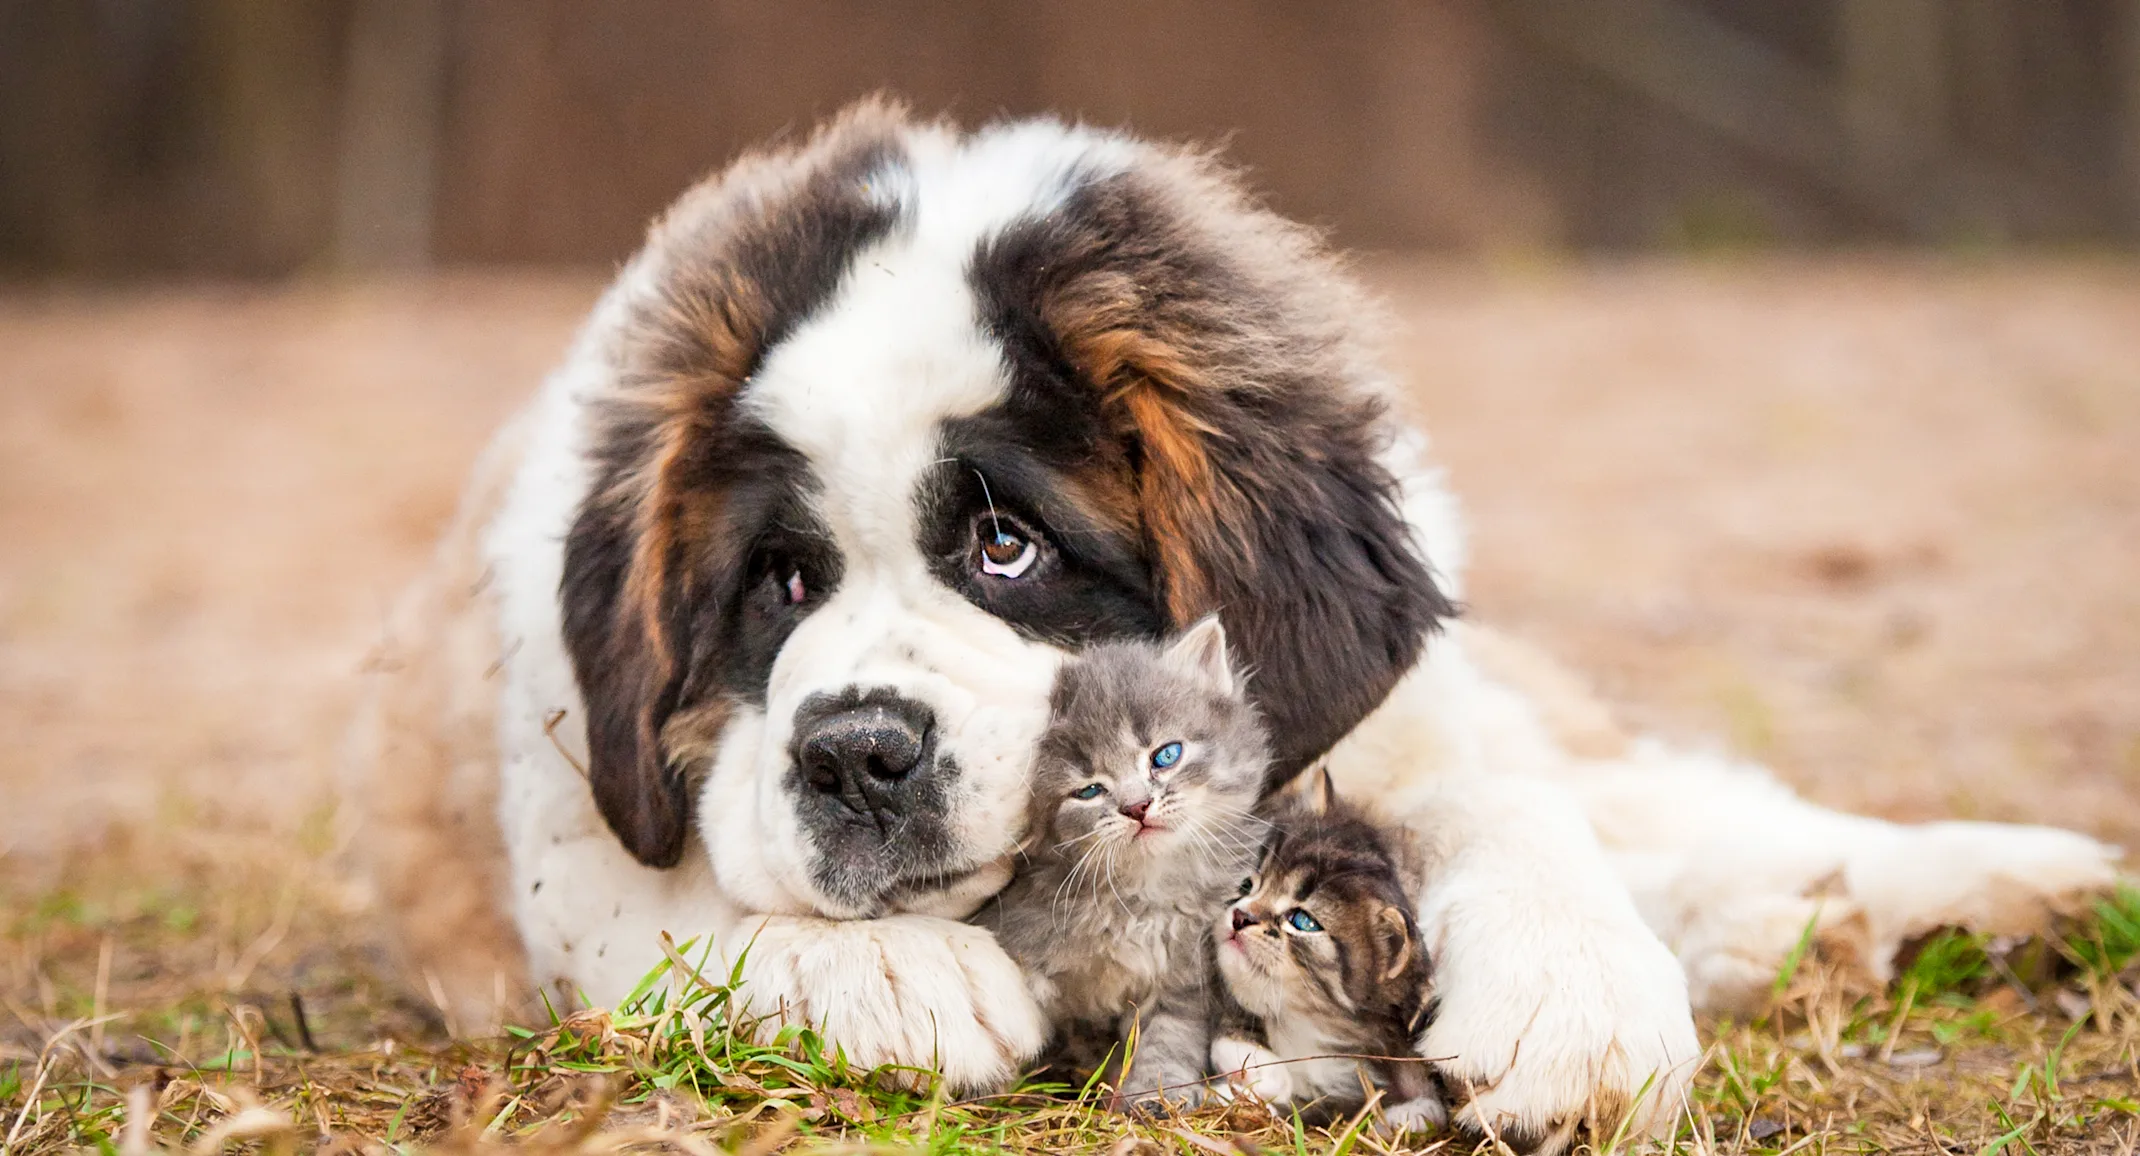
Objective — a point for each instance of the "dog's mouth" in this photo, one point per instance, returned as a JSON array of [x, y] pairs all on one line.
[[902, 803], [924, 884], [863, 888], [953, 894], [907, 853]]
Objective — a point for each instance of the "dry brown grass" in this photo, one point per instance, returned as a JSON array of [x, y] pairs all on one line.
[[1877, 524]]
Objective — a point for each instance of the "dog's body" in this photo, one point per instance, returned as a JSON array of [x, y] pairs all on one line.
[[750, 538]]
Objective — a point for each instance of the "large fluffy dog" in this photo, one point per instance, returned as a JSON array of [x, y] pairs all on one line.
[[748, 626]]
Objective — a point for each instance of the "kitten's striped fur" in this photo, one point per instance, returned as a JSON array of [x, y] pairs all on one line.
[[1324, 963]]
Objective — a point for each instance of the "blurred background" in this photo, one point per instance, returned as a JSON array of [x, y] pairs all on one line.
[[261, 137]]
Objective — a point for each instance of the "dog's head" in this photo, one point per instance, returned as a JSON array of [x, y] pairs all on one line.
[[899, 418]]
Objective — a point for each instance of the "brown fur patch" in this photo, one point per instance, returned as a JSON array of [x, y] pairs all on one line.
[[692, 734], [1147, 383]]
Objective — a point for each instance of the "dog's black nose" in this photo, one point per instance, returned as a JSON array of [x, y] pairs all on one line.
[[851, 748]]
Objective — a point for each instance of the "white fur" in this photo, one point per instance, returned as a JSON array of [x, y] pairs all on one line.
[[1730, 867], [1552, 878], [1252, 1068]]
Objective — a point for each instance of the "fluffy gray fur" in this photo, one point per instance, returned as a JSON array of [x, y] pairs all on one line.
[[1110, 914]]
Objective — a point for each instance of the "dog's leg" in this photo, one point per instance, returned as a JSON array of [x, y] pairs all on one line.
[[1558, 1005], [1552, 876], [1731, 867]]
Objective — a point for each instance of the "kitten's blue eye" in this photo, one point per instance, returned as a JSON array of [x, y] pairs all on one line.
[[1166, 756], [1089, 791], [1299, 920]]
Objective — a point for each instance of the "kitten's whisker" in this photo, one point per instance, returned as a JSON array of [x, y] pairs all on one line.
[[1206, 850], [1243, 830], [1111, 848], [1079, 867], [1069, 843], [1248, 832], [1069, 883], [1239, 817], [1221, 837]]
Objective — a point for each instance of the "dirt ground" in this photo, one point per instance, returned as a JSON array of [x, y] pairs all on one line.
[[1877, 524]]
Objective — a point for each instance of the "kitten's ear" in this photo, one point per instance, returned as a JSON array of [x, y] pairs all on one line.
[[1409, 857], [1313, 792], [1395, 933], [1201, 653]]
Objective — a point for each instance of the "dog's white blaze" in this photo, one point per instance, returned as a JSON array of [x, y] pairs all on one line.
[[862, 390]]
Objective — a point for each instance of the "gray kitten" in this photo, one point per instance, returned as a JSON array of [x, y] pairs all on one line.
[[1140, 830]]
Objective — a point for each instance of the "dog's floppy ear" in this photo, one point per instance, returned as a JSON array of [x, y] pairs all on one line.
[[1291, 532], [734, 265], [625, 647], [1217, 341], [1264, 501]]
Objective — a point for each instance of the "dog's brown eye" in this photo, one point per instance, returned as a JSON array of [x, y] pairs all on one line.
[[1005, 553], [796, 591]]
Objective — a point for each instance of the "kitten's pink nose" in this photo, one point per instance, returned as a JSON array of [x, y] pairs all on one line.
[[1137, 809], [1241, 919]]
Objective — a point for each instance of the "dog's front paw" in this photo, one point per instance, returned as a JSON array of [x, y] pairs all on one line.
[[1553, 1019], [907, 991]]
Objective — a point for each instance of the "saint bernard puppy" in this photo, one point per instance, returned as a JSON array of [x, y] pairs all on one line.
[[746, 630]]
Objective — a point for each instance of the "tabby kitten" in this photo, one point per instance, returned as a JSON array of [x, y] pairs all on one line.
[[1322, 954], [1141, 824]]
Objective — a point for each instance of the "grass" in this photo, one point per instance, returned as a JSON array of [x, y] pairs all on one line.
[[215, 1018]]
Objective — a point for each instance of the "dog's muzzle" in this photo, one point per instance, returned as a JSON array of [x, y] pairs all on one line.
[[873, 789]]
